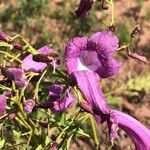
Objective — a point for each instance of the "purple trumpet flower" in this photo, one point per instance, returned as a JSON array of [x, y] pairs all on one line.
[[84, 7], [39, 62], [90, 58], [93, 54], [3, 104], [139, 134], [15, 74]]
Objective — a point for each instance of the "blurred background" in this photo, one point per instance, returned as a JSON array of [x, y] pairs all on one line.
[[53, 22]]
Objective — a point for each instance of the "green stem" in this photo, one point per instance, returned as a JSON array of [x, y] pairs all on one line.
[[9, 55], [3, 116], [37, 86], [112, 13], [23, 90], [4, 87], [28, 126], [16, 57], [94, 132]]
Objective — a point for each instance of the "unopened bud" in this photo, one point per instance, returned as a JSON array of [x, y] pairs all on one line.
[[29, 105], [11, 116], [17, 46]]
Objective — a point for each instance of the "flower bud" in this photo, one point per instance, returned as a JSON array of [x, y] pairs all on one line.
[[29, 105]]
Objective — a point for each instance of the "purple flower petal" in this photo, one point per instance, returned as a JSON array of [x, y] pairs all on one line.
[[29, 105], [47, 50], [139, 134], [84, 7], [109, 67], [17, 75], [73, 49], [104, 43], [88, 84], [3, 104], [29, 64]]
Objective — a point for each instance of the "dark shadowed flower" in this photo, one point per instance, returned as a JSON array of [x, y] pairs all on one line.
[[93, 54], [39, 62], [3, 103], [55, 91], [84, 7], [15, 74], [29, 105], [139, 134], [59, 99]]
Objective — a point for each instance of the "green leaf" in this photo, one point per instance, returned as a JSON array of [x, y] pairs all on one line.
[[2, 143]]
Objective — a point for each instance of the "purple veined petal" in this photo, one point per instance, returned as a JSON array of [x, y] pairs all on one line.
[[74, 46], [104, 43], [84, 7], [17, 75], [29, 105], [28, 64], [139, 134], [109, 66], [88, 84], [72, 52], [3, 103]]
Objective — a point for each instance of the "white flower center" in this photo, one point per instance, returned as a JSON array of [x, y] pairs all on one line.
[[88, 60]]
